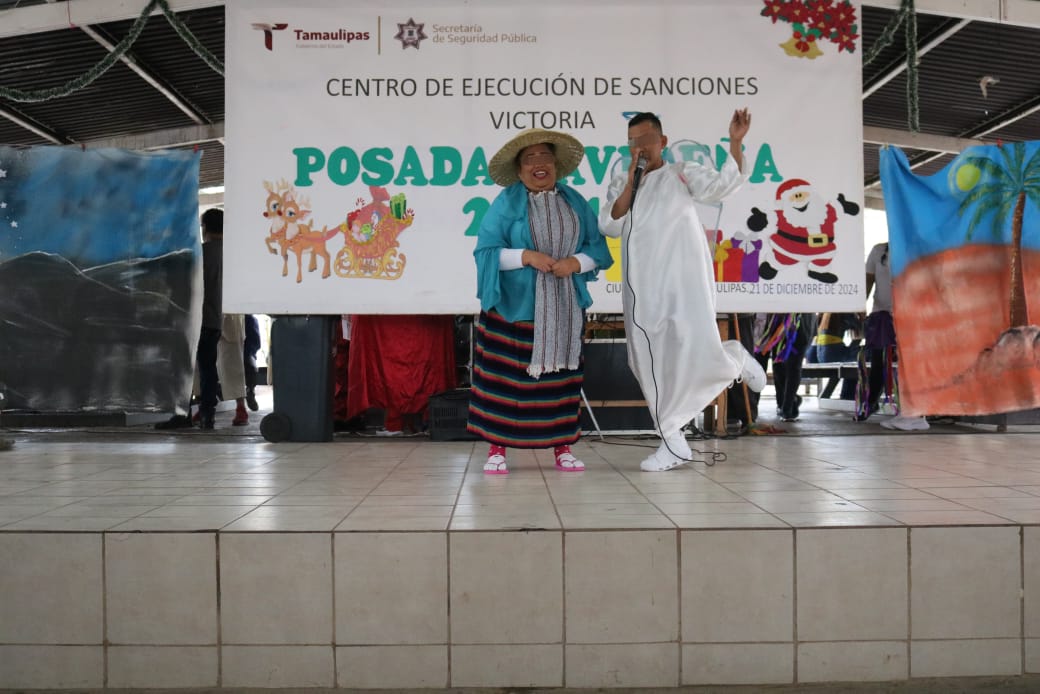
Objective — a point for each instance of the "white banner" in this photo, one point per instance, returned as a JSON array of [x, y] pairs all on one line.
[[362, 131]]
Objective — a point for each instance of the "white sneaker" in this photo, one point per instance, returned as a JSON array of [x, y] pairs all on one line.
[[906, 423], [676, 445], [751, 371], [660, 461]]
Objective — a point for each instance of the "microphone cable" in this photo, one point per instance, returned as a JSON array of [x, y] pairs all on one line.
[[716, 456]]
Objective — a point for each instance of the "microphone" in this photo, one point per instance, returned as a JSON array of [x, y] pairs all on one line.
[[638, 176]]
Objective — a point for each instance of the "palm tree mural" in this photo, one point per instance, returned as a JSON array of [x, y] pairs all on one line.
[[1002, 190]]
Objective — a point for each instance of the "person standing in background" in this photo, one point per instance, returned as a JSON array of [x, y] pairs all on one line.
[[212, 314], [250, 347]]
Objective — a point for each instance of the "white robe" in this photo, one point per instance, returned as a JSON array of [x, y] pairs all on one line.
[[668, 289]]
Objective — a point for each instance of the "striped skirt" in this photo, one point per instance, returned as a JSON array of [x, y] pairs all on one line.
[[508, 407]]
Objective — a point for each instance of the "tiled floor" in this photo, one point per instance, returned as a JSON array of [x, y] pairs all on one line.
[[191, 482], [823, 555]]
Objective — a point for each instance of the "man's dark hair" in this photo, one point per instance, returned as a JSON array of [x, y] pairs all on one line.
[[213, 221], [646, 117]]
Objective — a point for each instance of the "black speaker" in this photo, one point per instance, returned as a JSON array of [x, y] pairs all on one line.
[[612, 389], [448, 412]]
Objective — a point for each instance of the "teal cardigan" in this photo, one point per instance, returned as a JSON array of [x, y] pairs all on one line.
[[505, 225]]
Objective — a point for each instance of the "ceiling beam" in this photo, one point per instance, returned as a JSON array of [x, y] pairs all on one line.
[[909, 140], [55, 16], [147, 75], [887, 77], [163, 139], [32, 126], [1024, 13], [873, 198], [1006, 118], [999, 122]]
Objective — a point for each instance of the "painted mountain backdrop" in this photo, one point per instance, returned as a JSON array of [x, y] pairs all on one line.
[[99, 278]]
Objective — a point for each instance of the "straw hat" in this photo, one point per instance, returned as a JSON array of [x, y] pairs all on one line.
[[569, 153]]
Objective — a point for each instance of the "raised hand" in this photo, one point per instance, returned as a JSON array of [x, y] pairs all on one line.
[[739, 124]]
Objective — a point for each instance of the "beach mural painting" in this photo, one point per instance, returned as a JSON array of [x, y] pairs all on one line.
[[966, 280]]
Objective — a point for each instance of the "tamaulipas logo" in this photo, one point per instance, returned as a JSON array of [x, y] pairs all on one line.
[[304, 36], [269, 30]]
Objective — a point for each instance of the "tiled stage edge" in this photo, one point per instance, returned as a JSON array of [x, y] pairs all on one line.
[[518, 608]]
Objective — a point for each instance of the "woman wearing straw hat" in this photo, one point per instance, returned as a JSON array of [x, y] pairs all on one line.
[[538, 246]]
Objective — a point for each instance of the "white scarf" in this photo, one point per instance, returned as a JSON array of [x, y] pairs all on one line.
[[557, 317]]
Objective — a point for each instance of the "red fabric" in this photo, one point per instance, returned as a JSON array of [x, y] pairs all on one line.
[[393, 421], [397, 362]]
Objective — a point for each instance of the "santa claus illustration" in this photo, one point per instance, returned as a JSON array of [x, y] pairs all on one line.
[[804, 229]]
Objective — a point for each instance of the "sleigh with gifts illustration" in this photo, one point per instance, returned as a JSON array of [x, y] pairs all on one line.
[[370, 233]]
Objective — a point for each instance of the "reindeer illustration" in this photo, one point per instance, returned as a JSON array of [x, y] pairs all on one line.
[[289, 230], [273, 211]]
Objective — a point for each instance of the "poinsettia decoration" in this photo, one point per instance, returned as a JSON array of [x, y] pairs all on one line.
[[815, 21]]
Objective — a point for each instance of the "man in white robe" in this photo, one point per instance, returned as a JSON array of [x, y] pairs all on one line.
[[668, 287]]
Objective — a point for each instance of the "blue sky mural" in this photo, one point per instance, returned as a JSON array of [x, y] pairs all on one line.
[[97, 206], [100, 257], [964, 203]]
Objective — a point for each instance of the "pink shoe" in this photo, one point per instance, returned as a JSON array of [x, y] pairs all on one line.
[[496, 465], [566, 462]]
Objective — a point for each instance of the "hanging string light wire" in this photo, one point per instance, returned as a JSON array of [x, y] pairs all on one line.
[[102, 66], [906, 13]]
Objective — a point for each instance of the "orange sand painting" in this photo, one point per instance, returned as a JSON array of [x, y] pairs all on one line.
[[957, 355]]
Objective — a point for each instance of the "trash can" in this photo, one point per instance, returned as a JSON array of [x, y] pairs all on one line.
[[301, 362]]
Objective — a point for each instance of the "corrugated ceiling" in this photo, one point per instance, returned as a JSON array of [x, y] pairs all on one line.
[[121, 103]]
